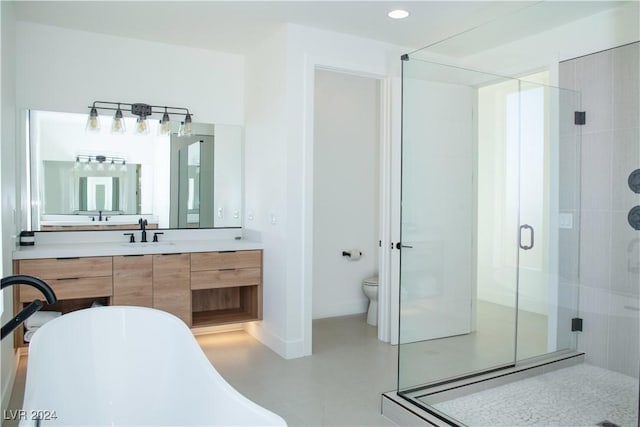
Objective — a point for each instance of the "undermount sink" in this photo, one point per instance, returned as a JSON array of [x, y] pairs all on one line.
[[147, 244]]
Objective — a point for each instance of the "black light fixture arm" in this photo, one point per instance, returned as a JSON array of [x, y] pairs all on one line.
[[139, 109]]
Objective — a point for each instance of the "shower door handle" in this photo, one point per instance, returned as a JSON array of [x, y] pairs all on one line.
[[530, 228]]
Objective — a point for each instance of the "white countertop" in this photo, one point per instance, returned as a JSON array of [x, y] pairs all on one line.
[[84, 249]]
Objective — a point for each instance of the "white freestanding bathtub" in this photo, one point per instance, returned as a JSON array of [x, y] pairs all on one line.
[[128, 366]]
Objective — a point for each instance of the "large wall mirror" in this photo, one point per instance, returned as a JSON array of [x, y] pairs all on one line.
[[83, 180]]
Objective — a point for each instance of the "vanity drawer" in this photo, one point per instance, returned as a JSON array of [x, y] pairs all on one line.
[[67, 268], [225, 278], [225, 260], [88, 287]]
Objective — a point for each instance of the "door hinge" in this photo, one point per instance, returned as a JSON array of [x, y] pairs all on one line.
[[579, 118], [576, 324]]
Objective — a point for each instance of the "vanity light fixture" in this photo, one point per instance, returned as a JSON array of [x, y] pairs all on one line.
[[398, 14], [143, 111], [101, 160]]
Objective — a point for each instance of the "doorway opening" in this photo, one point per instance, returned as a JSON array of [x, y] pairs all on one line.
[[346, 193]]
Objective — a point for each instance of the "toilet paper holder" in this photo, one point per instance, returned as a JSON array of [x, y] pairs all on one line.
[[352, 254]]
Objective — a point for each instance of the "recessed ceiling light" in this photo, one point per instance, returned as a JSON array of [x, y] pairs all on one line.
[[398, 14]]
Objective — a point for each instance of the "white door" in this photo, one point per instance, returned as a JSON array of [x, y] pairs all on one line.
[[437, 223]]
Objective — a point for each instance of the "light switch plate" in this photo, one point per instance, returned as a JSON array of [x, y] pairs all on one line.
[[565, 220]]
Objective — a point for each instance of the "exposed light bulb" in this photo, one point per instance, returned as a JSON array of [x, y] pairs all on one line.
[[118, 125], [142, 127], [123, 168], [186, 128], [165, 124], [93, 122], [112, 166]]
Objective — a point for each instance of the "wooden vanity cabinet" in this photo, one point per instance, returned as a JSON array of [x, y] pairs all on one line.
[[133, 280], [77, 283], [201, 288], [226, 287], [171, 291]]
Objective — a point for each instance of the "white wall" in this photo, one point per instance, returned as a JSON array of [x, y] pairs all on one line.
[[265, 189], [8, 187], [279, 165], [346, 190], [66, 70]]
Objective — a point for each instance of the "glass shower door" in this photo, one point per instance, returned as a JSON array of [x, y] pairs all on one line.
[[549, 142], [489, 222]]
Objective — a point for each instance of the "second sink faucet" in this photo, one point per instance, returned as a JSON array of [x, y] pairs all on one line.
[[143, 225]]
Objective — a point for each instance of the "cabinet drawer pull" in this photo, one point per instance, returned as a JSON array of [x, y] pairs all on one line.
[[69, 278], [170, 254], [226, 252], [227, 269], [134, 255], [71, 257]]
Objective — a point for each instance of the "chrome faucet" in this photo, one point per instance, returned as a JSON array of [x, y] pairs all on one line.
[[31, 308], [143, 225]]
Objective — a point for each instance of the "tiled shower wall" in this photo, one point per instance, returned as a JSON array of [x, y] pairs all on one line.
[[609, 267]]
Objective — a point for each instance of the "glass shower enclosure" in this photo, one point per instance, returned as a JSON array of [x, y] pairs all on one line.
[[490, 226]]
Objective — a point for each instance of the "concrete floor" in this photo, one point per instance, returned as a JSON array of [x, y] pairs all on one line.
[[339, 385], [342, 382]]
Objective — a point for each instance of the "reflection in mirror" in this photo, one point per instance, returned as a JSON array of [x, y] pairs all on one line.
[[97, 180], [74, 188], [227, 176], [187, 195]]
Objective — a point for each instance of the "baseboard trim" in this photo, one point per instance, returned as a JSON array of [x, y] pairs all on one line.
[[286, 349]]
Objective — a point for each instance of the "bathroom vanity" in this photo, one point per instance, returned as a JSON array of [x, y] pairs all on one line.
[[203, 282]]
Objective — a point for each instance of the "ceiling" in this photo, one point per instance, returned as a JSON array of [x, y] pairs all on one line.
[[236, 26]]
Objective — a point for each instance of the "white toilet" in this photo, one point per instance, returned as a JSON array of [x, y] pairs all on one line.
[[370, 289]]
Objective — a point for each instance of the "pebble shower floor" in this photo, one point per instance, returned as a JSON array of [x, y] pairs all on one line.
[[581, 395]]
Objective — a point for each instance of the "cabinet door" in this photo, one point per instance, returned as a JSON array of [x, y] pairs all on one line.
[[171, 289], [133, 280]]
